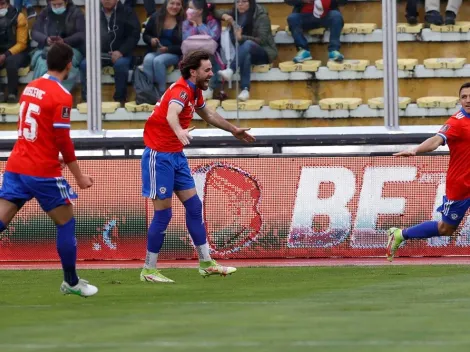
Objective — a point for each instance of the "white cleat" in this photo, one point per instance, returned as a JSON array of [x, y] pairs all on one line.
[[216, 269], [153, 275], [82, 289]]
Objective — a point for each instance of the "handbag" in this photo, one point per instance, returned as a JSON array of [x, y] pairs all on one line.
[[199, 42]]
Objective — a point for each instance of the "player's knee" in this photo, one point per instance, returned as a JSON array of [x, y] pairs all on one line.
[[193, 206], [446, 229]]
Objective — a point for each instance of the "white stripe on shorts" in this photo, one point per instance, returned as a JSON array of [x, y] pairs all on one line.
[[153, 174], [63, 191]]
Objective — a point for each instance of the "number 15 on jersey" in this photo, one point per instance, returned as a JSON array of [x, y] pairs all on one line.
[[28, 126]]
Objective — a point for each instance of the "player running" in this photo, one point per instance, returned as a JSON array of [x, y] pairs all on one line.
[[33, 169], [456, 134], [165, 168]]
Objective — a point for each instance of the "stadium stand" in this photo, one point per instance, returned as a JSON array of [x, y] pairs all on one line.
[[432, 62]]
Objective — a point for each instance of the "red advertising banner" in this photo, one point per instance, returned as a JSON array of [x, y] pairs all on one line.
[[254, 208]]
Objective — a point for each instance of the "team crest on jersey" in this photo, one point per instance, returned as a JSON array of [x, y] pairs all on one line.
[[65, 112], [162, 190], [184, 95], [454, 216], [444, 128]]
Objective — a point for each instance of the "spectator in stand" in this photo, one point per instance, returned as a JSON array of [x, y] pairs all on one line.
[[310, 14], [120, 33], [13, 48], [433, 15], [59, 22], [20, 4], [256, 43], [163, 34], [201, 20]]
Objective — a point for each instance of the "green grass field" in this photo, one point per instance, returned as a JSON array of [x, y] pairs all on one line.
[[390, 308]]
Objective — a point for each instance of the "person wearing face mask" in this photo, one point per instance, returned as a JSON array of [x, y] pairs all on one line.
[[13, 48], [201, 20], [253, 33], [163, 34], [60, 22]]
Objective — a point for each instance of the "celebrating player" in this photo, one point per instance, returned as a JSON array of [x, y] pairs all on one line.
[[165, 168], [33, 169], [456, 134]]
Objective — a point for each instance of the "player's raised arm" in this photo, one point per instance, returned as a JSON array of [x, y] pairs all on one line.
[[214, 119], [428, 145]]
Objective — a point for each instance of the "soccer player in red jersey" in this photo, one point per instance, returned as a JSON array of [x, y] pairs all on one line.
[[456, 134], [165, 168], [33, 169]]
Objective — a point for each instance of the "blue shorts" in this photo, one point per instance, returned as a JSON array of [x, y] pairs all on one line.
[[163, 173], [50, 192], [453, 211]]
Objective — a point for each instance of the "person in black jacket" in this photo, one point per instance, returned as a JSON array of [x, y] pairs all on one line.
[[120, 33], [59, 22], [163, 35], [149, 5]]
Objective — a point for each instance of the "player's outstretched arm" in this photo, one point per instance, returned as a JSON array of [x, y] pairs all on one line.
[[428, 145], [214, 119]]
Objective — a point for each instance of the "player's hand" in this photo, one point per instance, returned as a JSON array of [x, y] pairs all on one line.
[[241, 134], [85, 182], [115, 55], [405, 153], [184, 136]]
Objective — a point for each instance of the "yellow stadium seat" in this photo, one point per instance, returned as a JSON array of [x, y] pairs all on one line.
[[459, 27], [403, 64], [107, 107], [316, 31], [213, 103], [340, 103], [133, 107], [409, 28], [9, 109], [275, 28], [437, 102], [348, 65], [378, 103], [249, 105], [108, 70], [306, 66], [290, 104], [22, 71], [454, 63], [359, 28], [261, 68]]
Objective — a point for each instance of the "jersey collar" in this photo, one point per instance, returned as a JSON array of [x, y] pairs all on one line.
[[46, 76], [462, 110], [193, 86]]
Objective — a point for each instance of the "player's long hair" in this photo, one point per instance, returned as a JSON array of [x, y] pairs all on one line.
[[192, 61], [162, 13]]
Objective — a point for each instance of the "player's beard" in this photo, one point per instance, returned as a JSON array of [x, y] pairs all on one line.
[[202, 83]]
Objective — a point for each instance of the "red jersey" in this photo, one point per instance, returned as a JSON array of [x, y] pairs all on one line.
[[158, 135], [45, 105], [319, 8], [456, 133]]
